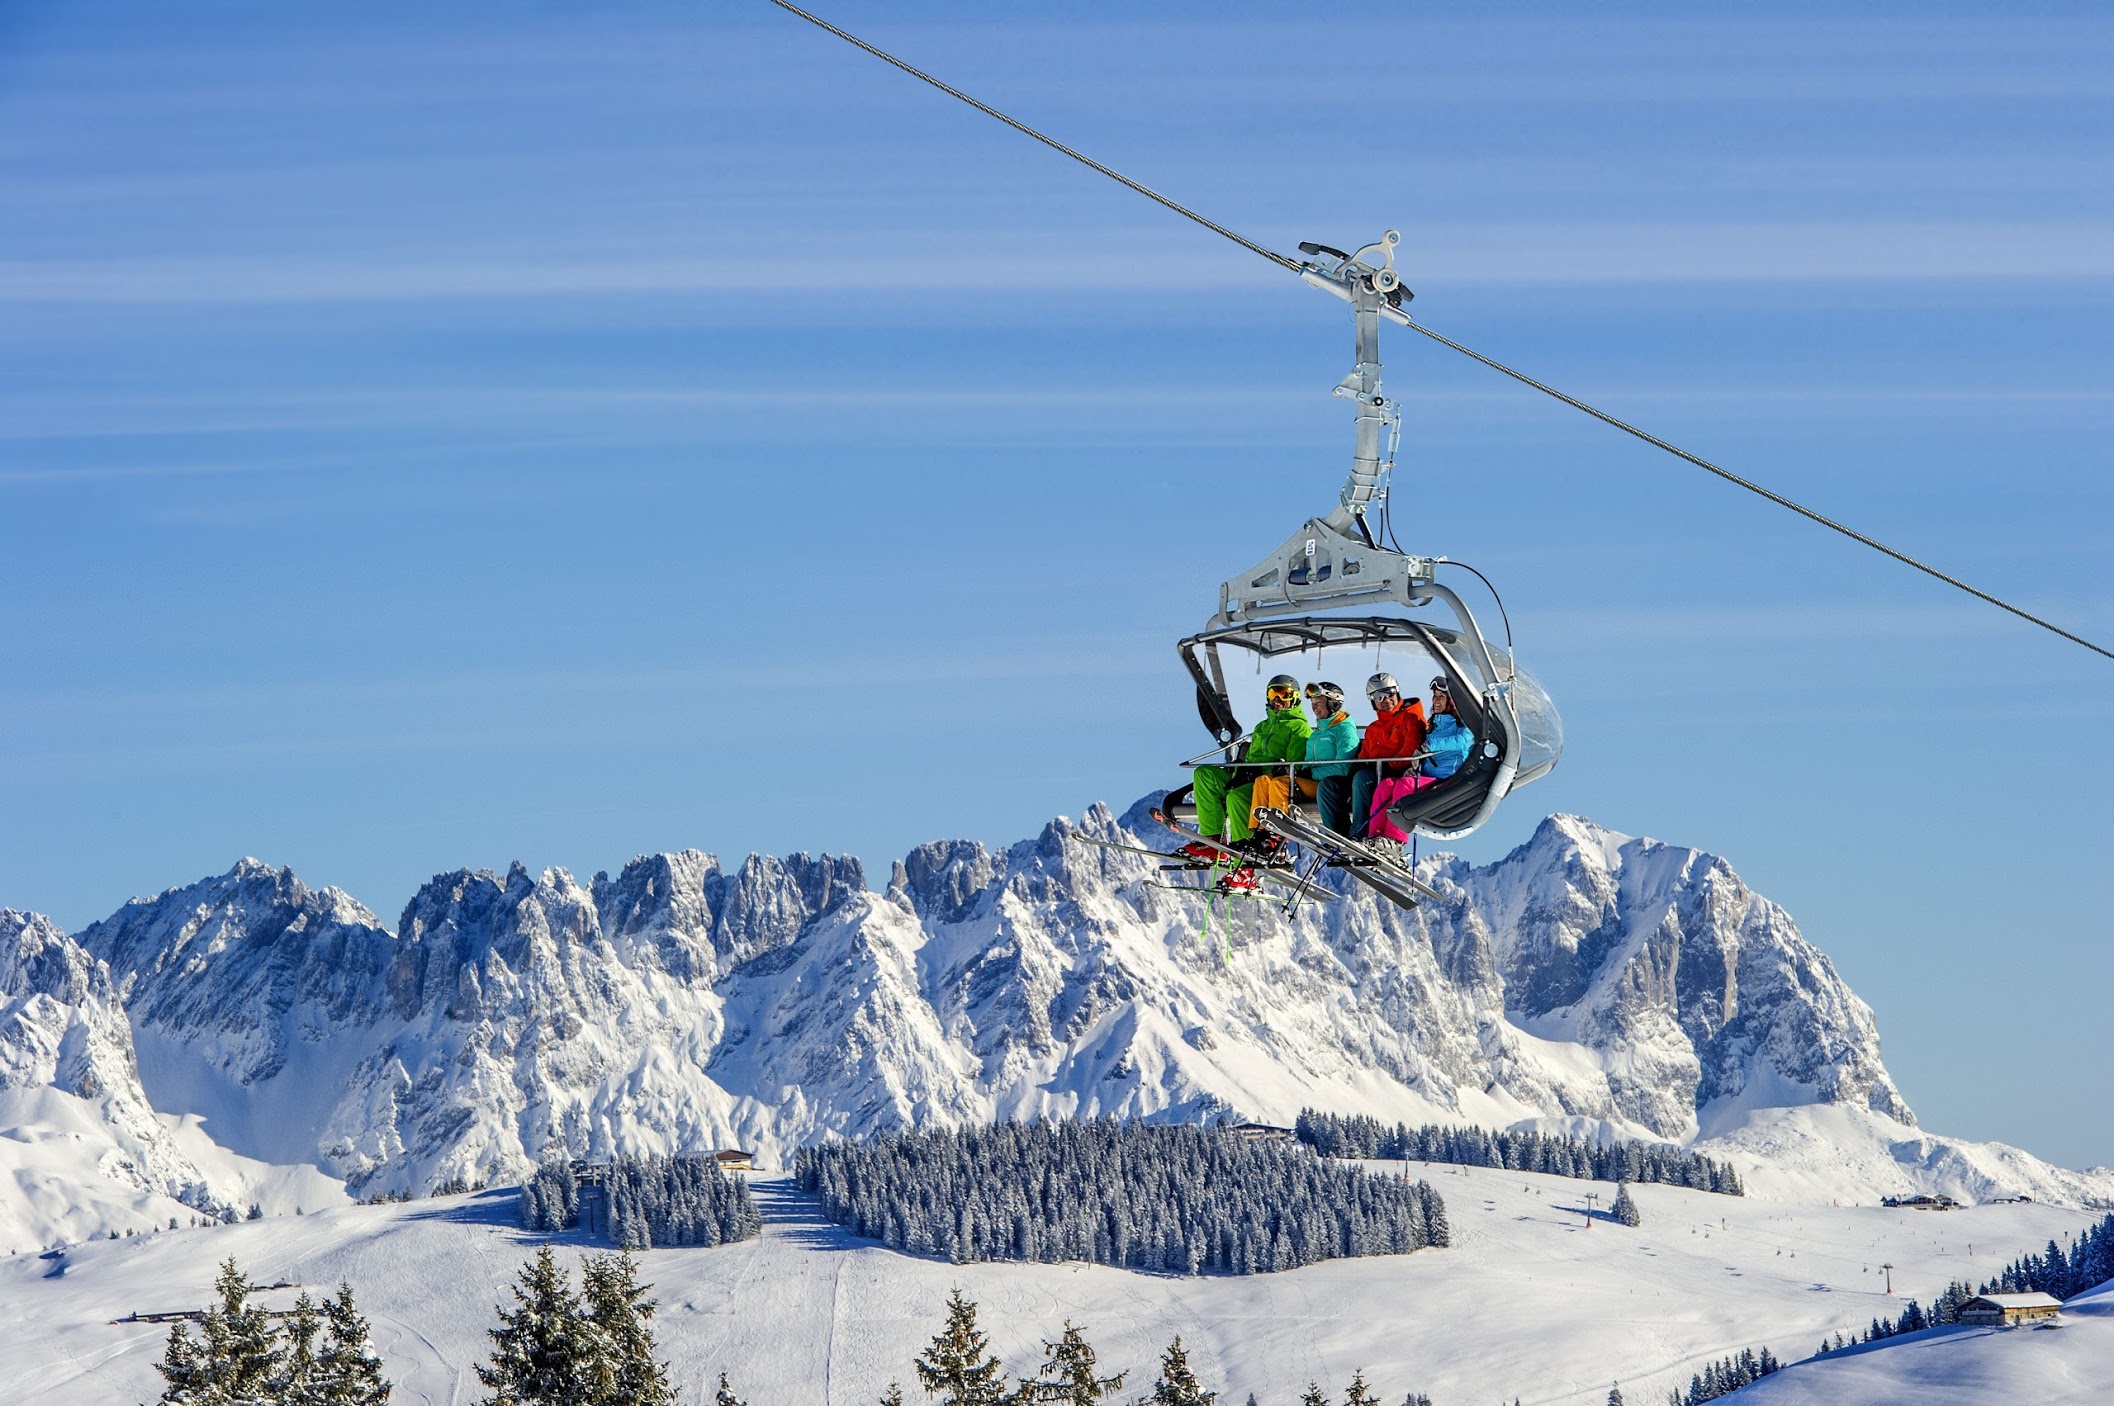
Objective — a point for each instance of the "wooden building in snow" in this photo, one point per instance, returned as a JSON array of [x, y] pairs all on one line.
[[2010, 1310]]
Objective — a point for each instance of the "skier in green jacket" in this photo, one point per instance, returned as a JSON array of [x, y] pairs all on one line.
[[1227, 797]]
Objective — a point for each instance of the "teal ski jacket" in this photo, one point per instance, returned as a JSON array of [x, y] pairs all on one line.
[[1338, 737]]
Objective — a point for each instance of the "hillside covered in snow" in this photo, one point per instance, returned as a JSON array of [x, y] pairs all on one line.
[[1587, 981]]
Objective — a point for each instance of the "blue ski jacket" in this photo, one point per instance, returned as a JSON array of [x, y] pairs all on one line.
[[1449, 744]]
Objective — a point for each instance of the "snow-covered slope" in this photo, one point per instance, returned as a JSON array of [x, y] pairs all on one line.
[[82, 1152], [79, 1145], [1527, 1303], [2070, 1365], [1587, 980]]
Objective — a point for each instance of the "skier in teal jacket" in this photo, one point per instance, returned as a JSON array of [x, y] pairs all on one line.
[[1335, 735]]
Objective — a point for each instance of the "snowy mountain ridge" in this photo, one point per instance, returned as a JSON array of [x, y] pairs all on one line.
[[1587, 980]]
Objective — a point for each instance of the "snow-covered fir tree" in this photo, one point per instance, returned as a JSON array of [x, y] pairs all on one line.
[[347, 1372], [1625, 1211], [298, 1358], [1615, 1396], [545, 1351], [240, 1357], [1358, 1394], [1070, 1375], [1172, 1199], [958, 1366], [725, 1395], [1178, 1385], [618, 1306]]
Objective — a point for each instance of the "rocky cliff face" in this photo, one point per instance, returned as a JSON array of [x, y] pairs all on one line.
[[1585, 977], [71, 1105]]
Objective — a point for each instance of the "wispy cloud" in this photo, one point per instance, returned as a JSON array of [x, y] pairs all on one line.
[[1672, 252]]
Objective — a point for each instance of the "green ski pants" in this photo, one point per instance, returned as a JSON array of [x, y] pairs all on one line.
[[1221, 810]]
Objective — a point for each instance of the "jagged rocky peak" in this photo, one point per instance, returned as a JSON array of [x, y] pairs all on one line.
[[1603, 938], [37, 958], [247, 913], [943, 880], [1587, 976]]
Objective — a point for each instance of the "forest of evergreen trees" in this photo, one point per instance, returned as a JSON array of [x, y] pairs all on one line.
[[1559, 1154], [1726, 1376], [637, 1203], [2088, 1263], [1181, 1199]]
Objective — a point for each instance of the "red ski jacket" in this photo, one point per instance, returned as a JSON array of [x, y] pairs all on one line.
[[1396, 734]]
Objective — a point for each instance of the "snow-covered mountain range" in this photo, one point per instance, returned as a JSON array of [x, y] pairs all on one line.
[[1586, 980]]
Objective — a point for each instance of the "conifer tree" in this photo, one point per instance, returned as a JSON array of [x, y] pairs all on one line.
[[618, 1306], [1178, 1385], [956, 1367], [1359, 1394], [1313, 1396], [1068, 1373], [725, 1395], [188, 1378], [1625, 1211], [545, 1352], [241, 1357], [297, 1372], [892, 1397], [242, 1346], [1615, 1395], [347, 1373]]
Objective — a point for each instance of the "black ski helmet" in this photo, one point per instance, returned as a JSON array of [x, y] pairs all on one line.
[[1283, 686]]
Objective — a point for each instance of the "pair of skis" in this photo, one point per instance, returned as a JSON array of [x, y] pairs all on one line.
[[1368, 863], [1227, 861]]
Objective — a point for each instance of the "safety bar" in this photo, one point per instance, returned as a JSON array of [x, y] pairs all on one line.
[[1302, 766]]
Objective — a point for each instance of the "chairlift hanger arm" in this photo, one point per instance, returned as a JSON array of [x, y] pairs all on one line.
[[1324, 271]]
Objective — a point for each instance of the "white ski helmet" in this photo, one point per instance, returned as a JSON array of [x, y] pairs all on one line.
[[1379, 684]]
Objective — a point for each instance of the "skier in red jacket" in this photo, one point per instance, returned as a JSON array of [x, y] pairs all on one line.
[[1397, 730]]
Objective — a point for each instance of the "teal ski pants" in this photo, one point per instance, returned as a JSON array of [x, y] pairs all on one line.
[[1221, 810]]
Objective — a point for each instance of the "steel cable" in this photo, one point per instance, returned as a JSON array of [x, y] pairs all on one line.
[[1023, 128], [1294, 266]]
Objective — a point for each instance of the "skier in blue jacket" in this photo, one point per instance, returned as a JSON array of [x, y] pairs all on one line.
[[1447, 741]]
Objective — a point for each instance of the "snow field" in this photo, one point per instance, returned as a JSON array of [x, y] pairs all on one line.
[[1527, 1303], [2068, 1366]]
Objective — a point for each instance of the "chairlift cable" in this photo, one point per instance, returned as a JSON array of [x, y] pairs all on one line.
[[1752, 487], [1295, 266], [1023, 128]]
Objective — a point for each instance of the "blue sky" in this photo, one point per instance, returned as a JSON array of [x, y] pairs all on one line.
[[554, 432]]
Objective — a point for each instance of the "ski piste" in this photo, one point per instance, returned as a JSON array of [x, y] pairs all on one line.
[[1368, 865], [1264, 870], [1191, 863]]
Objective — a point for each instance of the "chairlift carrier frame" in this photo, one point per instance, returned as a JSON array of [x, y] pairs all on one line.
[[1284, 604]]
